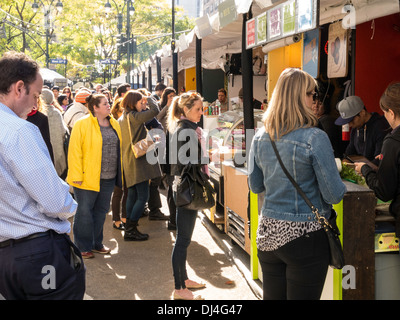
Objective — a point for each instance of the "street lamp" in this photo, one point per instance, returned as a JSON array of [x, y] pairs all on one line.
[[174, 53], [130, 10], [47, 10]]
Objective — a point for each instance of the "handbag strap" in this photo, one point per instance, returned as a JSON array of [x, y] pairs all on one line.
[[130, 132], [313, 208]]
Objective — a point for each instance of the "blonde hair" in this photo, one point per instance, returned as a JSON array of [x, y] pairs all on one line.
[[176, 110], [287, 109]]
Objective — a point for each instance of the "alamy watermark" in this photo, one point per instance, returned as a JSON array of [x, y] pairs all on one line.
[[186, 147]]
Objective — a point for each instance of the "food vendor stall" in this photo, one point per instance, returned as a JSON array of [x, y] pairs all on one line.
[[237, 208], [228, 172]]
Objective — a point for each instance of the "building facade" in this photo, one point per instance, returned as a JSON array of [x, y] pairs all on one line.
[[192, 7], [210, 7]]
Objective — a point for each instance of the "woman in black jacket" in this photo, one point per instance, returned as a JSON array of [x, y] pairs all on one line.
[[386, 181], [187, 145]]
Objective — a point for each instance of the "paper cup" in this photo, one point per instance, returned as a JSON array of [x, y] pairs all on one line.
[[338, 164]]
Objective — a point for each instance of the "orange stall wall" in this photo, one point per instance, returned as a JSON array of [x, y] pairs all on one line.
[[377, 59]]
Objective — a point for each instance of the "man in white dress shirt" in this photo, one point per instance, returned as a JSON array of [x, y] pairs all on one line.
[[37, 258]]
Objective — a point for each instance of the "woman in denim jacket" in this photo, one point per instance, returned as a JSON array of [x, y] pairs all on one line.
[[292, 248]]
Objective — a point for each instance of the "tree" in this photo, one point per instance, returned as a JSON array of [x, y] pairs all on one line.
[[83, 34]]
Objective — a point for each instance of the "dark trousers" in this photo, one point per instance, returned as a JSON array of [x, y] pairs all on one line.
[[118, 207], [154, 202], [297, 270], [171, 206], [185, 222], [49, 267]]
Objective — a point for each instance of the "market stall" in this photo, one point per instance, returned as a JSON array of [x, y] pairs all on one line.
[[227, 142], [295, 34]]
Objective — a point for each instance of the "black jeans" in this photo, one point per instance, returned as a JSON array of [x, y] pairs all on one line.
[[297, 270], [185, 222]]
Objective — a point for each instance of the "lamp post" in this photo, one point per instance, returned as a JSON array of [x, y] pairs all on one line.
[[130, 10], [174, 54], [47, 20]]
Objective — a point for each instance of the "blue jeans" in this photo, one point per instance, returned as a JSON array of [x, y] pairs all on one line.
[[91, 214], [138, 195], [185, 222]]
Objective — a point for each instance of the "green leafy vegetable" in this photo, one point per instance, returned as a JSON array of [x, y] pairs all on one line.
[[350, 174]]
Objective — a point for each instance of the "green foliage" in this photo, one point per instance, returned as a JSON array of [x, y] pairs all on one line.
[[83, 34], [349, 174]]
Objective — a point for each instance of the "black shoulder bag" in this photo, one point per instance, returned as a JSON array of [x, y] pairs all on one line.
[[194, 191], [336, 260]]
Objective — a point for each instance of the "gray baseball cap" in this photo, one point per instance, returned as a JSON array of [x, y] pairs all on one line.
[[348, 108]]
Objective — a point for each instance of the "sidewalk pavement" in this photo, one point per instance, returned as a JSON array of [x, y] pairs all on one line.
[[143, 270]]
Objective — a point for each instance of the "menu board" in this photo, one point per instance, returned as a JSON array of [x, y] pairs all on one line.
[[289, 18], [306, 15], [250, 33], [261, 25], [274, 23], [283, 20]]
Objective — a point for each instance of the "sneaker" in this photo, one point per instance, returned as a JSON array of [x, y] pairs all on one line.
[[103, 250], [87, 255]]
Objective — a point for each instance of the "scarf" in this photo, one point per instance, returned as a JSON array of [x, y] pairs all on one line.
[[32, 112]]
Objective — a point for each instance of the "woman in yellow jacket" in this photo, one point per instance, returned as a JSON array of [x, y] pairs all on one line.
[[95, 167]]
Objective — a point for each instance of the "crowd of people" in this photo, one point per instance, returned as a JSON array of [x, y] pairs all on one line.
[[74, 157]]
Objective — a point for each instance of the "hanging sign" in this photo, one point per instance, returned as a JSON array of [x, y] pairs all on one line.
[[274, 23], [108, 61], [289, 18], [227, 12], [311, 52], [204, 26], [261, 26], [58, 61], [306, 15], [337, 51], [250, 33]]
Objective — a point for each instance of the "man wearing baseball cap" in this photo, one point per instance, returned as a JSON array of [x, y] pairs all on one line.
[[368, 129]]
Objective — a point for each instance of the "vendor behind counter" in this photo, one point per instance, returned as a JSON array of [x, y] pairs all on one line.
[[385, 182]]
